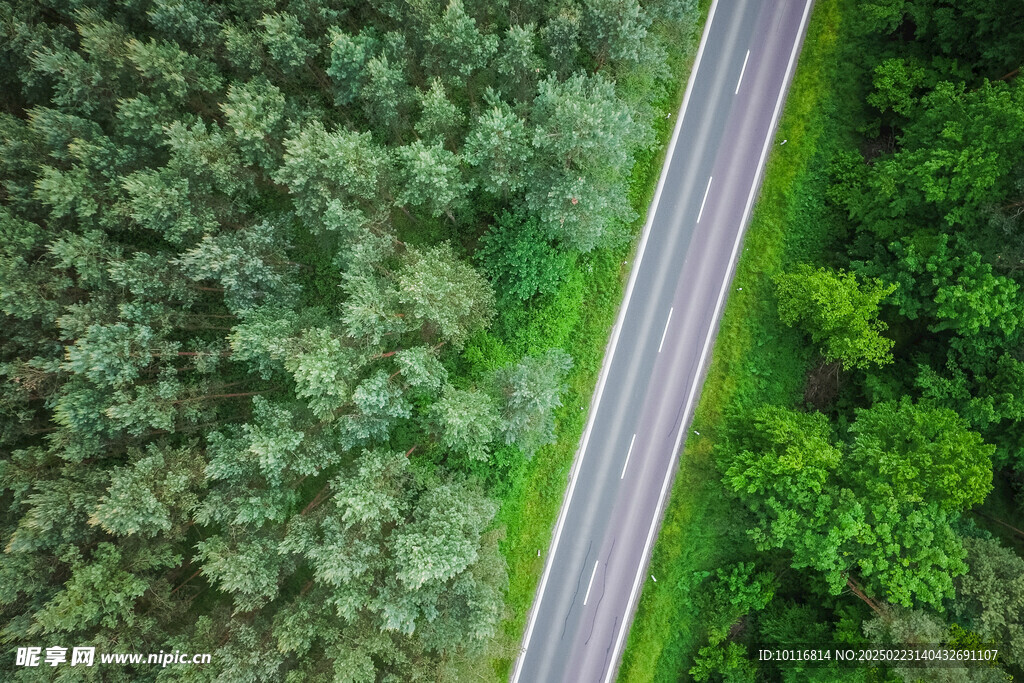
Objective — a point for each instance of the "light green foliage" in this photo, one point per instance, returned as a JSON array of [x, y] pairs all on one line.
[[517, 59], [321, 167], [160, 201], [397, 556], [371, 310], [282, 34], [921, 455], [375, 494], [729, 594], [114, 355], [728, 661], [440, 120], [529, 393], [246, 567], [956, 289], [158, 491], [444, 292], [583, 139], [255, 112], [868, 511], [250, 265], [244, 47], [101, 591], [975, 298], [276, 447], [956, 154], [421, 369], [895, 82], [170, 69], [205, 155], [386, 96], [499, 146], [990, 596], [616, 29], [439, 543], [742, 588], [55, 511], [348, 59], [793, 457], [379, 403], [784, 470], [429, 176], [457, 47], [467, 422], [839, 312]]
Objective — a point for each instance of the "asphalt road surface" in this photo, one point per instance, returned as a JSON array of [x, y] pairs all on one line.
[[597, 562]]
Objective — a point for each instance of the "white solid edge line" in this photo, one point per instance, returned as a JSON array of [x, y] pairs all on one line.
[[628, 453], [665, 331], [603, 377], [721, 297], [591, 584], [703, 201], [741, 73]]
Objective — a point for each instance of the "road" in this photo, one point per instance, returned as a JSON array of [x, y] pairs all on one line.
[[597, 561]]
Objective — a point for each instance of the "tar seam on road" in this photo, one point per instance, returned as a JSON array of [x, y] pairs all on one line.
[[628, 453], [741, 73], [591, 584], [704, 201], [603, 376], [707, 342], [576, 593], [665, 331]]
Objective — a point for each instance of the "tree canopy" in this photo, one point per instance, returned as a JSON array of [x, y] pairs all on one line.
[[239, 252]]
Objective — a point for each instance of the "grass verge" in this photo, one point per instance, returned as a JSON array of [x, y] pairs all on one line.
[[755, 359], [593, 291]]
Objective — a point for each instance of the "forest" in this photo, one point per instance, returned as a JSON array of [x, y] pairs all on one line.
[[864, 427], [278, 280]]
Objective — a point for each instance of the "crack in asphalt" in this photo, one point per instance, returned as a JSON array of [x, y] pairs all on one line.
[[579, 581]]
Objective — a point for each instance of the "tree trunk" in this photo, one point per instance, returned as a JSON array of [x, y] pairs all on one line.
[[317, 499], [1010, 75], [209, 396], [182, 584], [999, 521], [859, 592]]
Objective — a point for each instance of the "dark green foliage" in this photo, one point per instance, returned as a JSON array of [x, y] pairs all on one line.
[[726, 597], [520, 260]]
